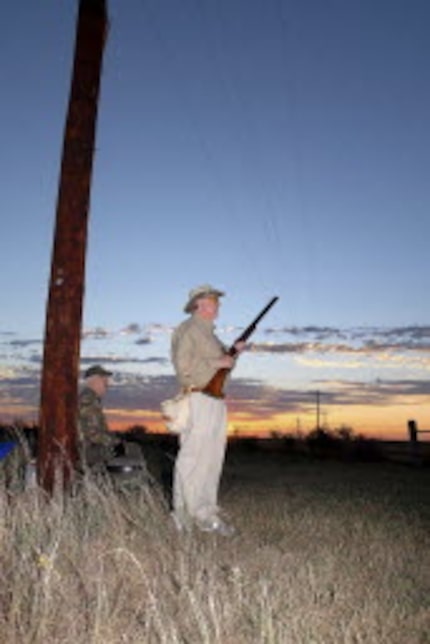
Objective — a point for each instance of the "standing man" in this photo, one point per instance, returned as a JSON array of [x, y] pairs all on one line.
[[97, 444], [197, 354]]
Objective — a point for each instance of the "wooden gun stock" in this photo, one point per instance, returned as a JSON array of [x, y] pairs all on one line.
[[215, 386]]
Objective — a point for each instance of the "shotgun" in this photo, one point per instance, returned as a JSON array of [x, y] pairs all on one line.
[[215, 385]]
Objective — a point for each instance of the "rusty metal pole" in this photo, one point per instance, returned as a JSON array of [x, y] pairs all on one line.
[[57, 445]]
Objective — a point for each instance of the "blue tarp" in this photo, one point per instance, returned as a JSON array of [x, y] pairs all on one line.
[[5, 448]]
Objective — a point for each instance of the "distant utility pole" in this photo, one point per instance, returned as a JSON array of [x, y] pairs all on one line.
[[318, 410], [57, 445]]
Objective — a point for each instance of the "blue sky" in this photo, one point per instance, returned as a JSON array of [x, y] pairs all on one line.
[[270, 147]]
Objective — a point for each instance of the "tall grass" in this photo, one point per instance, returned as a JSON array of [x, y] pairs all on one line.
[[323, 554]]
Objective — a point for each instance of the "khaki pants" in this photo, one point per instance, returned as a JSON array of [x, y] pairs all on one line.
[[200, 460]]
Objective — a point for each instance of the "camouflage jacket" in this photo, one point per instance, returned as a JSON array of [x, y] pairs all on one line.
[[92, 424]]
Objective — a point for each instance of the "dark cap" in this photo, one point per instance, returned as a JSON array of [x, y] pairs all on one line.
[[97, 370]]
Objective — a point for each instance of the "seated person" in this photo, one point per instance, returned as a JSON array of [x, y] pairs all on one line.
[[97, 445]]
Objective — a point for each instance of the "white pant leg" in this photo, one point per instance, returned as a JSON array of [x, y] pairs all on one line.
[[200, 459]]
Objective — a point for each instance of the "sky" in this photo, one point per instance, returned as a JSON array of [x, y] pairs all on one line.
[[266, 147]]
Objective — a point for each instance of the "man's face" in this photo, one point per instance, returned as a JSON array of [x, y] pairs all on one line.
[[99, 384], [208, 307]]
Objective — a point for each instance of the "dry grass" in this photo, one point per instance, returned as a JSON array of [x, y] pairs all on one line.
[[325, 553]]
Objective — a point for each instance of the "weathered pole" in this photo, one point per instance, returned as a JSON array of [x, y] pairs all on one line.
[[57, 444]]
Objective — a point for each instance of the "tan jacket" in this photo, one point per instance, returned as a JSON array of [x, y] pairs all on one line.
[[195, 350]]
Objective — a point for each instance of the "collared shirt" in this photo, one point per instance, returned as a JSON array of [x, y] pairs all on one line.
[[195, 351]]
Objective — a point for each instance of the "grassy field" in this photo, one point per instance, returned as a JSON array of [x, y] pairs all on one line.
[[325, 553]]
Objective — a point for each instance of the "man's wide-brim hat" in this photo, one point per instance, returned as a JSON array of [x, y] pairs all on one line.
[[195, 294], [97, 370]]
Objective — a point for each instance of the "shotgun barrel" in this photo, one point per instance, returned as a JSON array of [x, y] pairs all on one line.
[[215, 386]]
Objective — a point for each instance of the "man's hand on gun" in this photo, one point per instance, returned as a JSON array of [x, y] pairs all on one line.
[[215, 385], [227, 361]]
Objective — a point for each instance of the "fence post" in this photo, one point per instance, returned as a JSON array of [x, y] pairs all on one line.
[[413, 431], [413, 442]]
